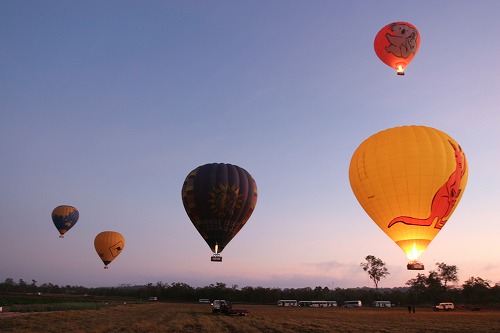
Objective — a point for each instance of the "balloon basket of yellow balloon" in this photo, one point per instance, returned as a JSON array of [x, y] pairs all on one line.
[[415, 266], [216, 257]]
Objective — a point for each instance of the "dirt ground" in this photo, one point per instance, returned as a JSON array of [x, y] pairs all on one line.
[[195, 318]]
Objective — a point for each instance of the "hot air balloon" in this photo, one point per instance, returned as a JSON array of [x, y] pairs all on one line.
[[396, 44], [409, 180], [64, 218], [219, 199], [108, 245]]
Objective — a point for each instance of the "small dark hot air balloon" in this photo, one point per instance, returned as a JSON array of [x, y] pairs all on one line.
[[219, 199], [64, 218]]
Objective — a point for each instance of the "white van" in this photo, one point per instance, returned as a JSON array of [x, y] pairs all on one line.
[[447, 306], [353, 304]]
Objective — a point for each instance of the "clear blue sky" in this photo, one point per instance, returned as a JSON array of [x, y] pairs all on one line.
[[108, 105]]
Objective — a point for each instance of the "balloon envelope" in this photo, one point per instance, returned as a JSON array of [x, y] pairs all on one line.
[[108, 245], [396, 44], [409, 180], [64, 218], [219, 199]]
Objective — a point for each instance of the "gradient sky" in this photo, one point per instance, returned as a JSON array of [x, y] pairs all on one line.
[[108, 105]]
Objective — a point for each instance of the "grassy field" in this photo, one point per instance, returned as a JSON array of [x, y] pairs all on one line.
[[172, 317]]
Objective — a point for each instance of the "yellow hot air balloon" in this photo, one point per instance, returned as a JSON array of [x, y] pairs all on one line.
[[108, 245], [409, 180]]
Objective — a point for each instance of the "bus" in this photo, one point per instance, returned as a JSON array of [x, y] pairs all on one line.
[[318, 304], [353, 304], [287, 302], [382, 304]]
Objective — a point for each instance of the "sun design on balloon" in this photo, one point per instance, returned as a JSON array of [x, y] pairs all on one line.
[[224, 200]]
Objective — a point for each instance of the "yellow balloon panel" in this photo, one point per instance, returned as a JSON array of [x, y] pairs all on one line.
[[409, 180], [63, 210], [108, 245]]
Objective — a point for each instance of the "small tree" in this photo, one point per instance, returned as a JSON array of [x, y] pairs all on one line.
[[375, 268], [447, 273]]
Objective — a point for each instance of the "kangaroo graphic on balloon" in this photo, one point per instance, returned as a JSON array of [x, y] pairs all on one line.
[[445, 198]]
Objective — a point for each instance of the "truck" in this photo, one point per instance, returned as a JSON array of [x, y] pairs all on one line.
[[446, 306], [225, 307]]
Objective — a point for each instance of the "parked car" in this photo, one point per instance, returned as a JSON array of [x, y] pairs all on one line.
[[444, 306]]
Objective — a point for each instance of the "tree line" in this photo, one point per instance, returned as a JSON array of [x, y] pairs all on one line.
[[437, 286]]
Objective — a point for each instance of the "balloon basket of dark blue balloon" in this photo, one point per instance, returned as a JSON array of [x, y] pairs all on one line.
[[216, 258], [415, 266]]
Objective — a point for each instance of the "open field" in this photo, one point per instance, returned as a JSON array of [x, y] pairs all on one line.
[[174, 317]]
